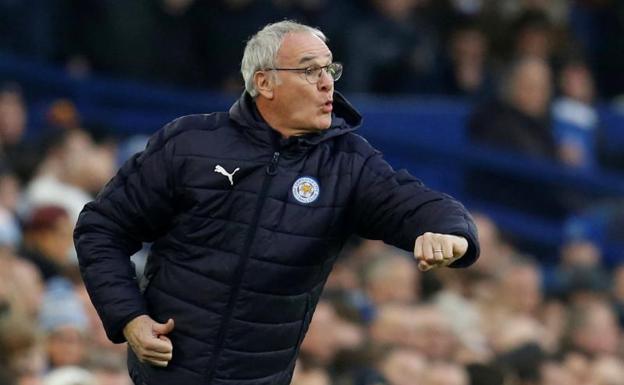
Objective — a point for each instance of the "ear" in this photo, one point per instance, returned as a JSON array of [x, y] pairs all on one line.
[[264, 81]]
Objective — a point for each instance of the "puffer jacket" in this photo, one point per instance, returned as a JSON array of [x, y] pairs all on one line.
[[245, 227]]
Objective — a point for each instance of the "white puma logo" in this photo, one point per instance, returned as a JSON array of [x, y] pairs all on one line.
[[222, 171]]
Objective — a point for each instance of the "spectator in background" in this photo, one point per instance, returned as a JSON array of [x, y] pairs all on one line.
[[593, 330], [497, 253], [513, 25], [467, 69], [25, 281], [70, 375], [17, 153], [533, 36], [607, 371], [328, 335], [147, 40], [48, 240], [519, 289], [403, 367], [73, 169], [391, 278], [310, 376], [109, 369], [580, 275], [12, 117], [223, 29], [65, 324], [21, 350], [10, 189], [446, 373], [392, 50], [598, 27], [575, 118], [519, 122], [62, 115]]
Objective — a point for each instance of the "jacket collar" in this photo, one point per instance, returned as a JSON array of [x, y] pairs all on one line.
[[345, 118]]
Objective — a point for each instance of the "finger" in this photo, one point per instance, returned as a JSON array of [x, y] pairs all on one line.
[[438, 253], [418, 248], [165, 328], [161, 363], [460, 246], [167, 341], [447, 249], [155, 356], [158, 345], [427, 249]]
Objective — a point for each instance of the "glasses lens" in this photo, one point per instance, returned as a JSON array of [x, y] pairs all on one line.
[[313, 74], [335, 70]]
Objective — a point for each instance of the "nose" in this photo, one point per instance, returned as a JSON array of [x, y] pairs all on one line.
[[326, 81]]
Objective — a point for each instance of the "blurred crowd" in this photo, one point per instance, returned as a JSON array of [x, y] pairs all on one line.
[[510, 319], [49, 332], [506, 320], [452, 47], [535, 69]]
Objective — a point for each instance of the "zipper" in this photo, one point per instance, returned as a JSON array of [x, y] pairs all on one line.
[[272, 167], [271, 170]]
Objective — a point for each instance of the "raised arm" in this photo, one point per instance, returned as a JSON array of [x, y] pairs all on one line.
[[398, 209]]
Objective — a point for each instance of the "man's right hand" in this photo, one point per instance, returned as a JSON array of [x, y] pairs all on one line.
[[148, 340]]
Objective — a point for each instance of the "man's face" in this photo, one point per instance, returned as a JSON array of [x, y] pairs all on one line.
[[303, 106]]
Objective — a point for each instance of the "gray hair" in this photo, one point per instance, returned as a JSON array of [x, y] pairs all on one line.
[[261, 49]]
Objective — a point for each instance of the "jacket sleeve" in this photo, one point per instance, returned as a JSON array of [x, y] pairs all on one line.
[[396, 208], [134, 207]]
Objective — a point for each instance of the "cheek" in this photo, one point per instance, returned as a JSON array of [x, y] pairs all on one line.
[[302, 107]]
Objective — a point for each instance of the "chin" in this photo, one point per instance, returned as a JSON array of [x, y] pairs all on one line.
[[324, 123]]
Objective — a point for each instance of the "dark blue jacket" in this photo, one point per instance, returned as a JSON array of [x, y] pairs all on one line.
[[240, 265]]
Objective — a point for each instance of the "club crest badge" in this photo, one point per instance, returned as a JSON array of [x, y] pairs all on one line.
[[306, 189]]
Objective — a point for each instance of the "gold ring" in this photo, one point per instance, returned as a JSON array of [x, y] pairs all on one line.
[[437, 251]]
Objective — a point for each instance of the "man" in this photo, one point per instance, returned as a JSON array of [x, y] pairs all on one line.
[[247, 211]]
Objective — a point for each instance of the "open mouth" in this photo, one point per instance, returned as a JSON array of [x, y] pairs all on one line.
[[328, 106]]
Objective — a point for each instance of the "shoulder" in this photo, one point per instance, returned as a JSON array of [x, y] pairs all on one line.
[[187, 127], [355, 144], [192, 123]]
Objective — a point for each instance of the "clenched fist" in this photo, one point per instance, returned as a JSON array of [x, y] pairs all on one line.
[[438, 250], [148, 340]]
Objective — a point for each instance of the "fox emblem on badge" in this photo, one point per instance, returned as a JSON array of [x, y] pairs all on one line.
[[306, 190], [219, 169]]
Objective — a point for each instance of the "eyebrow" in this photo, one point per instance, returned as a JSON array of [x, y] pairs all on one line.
[[310, 58]]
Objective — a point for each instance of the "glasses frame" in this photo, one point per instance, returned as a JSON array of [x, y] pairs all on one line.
[[337, 65]]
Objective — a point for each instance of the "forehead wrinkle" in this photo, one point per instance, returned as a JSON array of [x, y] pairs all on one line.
[[311, 58]]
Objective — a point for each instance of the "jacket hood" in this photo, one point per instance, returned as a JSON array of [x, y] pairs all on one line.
[[345, 118]]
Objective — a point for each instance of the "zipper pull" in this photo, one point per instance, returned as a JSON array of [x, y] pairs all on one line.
[[272, 167]]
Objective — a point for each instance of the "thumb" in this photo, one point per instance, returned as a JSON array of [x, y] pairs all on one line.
[[424, 266], [165, 328]]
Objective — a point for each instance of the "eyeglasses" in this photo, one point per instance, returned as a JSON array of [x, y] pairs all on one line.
[[313, 74]]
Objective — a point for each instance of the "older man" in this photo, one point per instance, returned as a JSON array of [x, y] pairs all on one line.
[[247, 211]]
